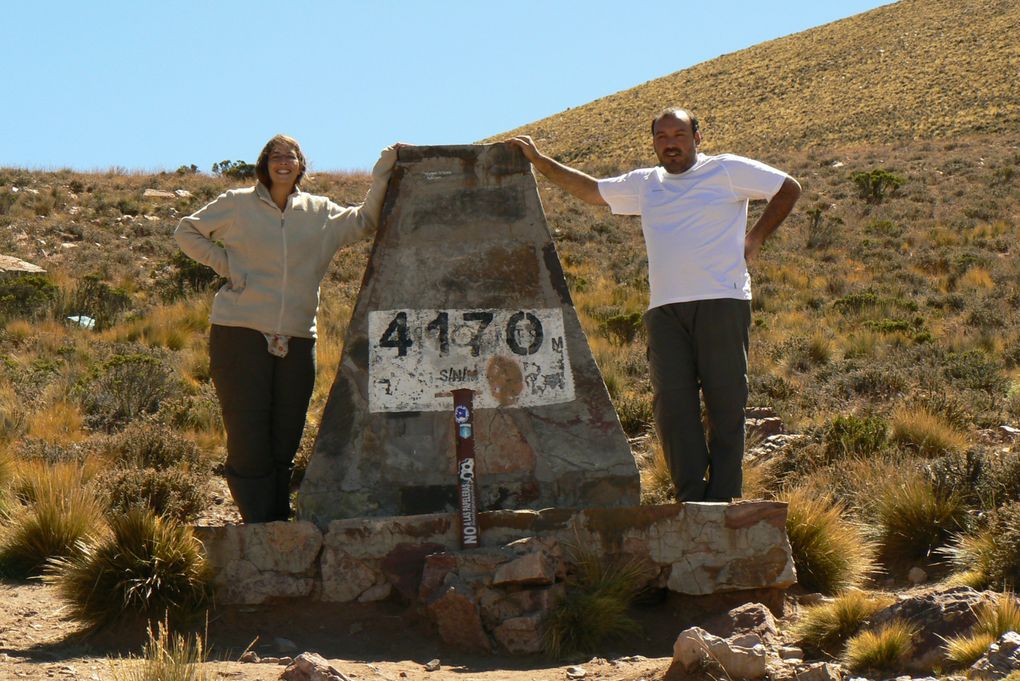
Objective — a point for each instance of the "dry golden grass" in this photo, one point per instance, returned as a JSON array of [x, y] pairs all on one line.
[[925, 433], [60, 422]]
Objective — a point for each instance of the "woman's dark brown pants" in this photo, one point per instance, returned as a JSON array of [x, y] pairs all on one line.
[[700, 346], [264, 400]]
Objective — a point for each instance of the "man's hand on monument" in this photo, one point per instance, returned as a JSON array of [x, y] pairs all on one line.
[[527, 147]]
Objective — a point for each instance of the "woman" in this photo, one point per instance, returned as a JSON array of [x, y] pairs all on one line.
[[273, 244]]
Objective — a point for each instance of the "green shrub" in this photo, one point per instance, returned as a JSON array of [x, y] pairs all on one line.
[[826, 626], [93, 297], [975, 370], [26, 296], [886, 649], [623, 328], [855, 435], [831, 553], [149, 444], [148, 570], [123, 388], [179, 495], [186, 276], [594, 611], [635, 411], [876, 186], [238, 170]]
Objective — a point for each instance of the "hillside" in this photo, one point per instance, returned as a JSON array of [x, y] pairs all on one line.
[[917, 69], [886, 313]]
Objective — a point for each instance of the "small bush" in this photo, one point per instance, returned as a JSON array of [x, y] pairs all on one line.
[[831, 553], [149, 444], [123, 388], [876, 186], [623, 328], [187, 276], [595, 608], [855, 435], [635, 411], [27, 296], [148, 570], [883, 650], [824, 627], [912, 520], [96, 299], [974, 370], [179, 495]]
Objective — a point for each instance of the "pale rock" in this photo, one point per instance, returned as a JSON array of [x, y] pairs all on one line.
[[456, 616], [249, 657], [790, 653], [917, 576], [695, 647], [344, 579], [182, 193], [378, 592], [158, 194], [752, 618], [311, 667], [820, 671], [576, 672], [531, 568], [433, 665], [1002, 658], [520, 635]]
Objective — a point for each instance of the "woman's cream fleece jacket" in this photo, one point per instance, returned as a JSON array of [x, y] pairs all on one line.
[[274, 260]]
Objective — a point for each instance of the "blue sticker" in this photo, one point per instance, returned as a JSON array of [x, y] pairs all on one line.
[[465, 431], [461, 414]]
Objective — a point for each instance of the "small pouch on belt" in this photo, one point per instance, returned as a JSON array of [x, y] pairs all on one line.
[[277, 344]]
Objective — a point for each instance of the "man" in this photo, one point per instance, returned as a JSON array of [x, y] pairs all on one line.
[[693, 212]]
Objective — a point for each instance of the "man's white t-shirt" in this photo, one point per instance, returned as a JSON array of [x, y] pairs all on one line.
[[694, 223]]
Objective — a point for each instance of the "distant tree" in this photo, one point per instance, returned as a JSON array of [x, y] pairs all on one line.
[[876, 186], [239, 170]]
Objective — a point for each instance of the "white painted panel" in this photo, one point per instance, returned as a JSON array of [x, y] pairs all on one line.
[[510, 358]]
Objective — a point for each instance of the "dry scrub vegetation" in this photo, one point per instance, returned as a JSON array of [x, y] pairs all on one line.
[[886, 319]]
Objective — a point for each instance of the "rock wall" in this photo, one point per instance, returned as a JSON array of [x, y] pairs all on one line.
[[495, 596]]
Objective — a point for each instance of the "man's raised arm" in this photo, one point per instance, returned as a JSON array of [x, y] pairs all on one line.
[[581, 185]]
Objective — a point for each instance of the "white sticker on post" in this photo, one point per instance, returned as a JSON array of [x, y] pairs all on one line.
[[510, 358]]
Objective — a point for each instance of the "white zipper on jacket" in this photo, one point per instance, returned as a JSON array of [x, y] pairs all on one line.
[[283, 283]]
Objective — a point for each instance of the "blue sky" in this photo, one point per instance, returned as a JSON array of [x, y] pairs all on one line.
[[154, 85]]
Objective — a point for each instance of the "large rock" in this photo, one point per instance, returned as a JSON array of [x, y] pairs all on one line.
[[455, 613], [1001, 660], [696, 649], [936, 615], [464, 289], [255, 563]]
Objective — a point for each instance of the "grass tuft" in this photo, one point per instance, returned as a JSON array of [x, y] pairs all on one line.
[[926, 433], [595, 609], [56, 523], [913, 520], [993, 620], [149, 569], [831, 553], [825, 627], [883, 650], [167, 656], [656, 481]]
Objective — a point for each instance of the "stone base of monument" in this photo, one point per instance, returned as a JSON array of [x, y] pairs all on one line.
[[495, 597]]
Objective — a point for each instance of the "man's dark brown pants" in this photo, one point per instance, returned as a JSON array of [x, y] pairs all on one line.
[[700, 346]]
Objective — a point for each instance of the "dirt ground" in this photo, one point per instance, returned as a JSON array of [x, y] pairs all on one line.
[[376, 642]]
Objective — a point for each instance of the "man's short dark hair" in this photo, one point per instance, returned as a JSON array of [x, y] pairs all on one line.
[[676, 113]]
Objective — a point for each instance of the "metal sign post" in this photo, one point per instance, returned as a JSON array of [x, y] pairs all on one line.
[[463, 418]]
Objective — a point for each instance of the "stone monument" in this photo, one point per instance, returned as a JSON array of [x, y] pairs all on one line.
[[464, 289]]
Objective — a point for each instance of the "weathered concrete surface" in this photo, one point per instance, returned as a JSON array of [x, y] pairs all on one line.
[[464, 289]]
